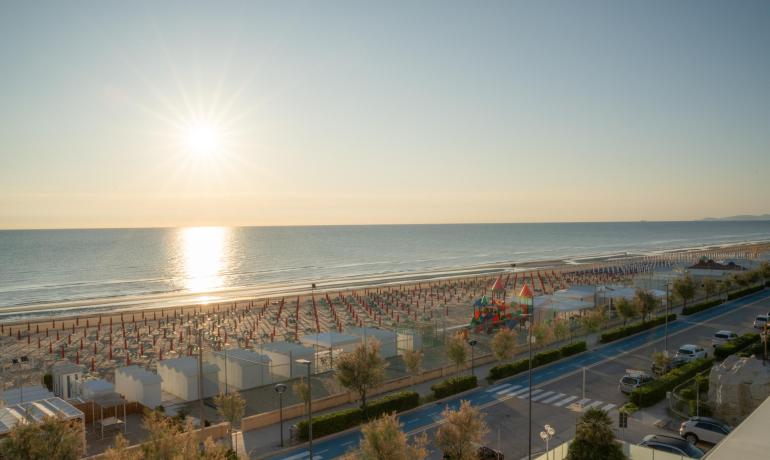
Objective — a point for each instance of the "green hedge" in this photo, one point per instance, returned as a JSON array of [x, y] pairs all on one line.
[[742, 342], [621, 332], [334, 422], [705, 410], [651, 393], [744, 292], [453, 386], [545, 357], [700, 307]]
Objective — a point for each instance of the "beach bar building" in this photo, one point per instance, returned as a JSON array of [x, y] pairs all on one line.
[[136, 383], [179, 377], [388, 339], [241, 369], [283, 359], [66, 379]]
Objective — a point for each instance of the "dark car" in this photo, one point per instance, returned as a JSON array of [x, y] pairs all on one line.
[[671, 445], [487, 453]]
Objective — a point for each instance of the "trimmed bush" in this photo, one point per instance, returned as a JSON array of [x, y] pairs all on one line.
[[342, 420], [744, 292], [396, 402], [621, 332], [540, 359], [651, 393], [700, 307], [453, 386], [742, 342], [705, 411], [573, 349]]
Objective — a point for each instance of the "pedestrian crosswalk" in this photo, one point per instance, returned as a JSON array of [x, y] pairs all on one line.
[[553, 398]]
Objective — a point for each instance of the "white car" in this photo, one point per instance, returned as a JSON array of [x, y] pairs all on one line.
[[760, 321], [703, 429], [722, 337], [632, 380], [690, 352]]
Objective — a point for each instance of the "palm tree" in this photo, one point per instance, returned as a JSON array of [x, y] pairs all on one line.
[[594, 438]]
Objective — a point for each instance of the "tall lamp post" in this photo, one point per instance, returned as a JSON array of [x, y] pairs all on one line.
[[473, 343], [527, 294], [280, 388], [668, 302], [307, 363], [546, 435], [200, 375]]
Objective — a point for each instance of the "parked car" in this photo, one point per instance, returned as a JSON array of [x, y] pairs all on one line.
[[690, 352], [671, 445], [760, 321], [703, 429], [722, 337], [633, 379], [672, 363]]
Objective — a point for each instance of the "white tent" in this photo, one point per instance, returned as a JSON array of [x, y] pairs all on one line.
[[180, 378], [387, 339], [138, 384], [243, 368], [283, 357]]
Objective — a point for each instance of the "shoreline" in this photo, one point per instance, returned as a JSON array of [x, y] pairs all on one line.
[[86, 308]]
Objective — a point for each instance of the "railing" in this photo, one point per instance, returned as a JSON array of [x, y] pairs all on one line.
[[632, 451]]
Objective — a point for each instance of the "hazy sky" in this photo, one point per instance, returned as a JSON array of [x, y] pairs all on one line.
[[381, 112]]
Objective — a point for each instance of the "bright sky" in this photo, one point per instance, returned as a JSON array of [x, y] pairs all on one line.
[[291, 113]]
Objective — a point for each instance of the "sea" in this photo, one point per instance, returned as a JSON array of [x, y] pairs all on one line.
[[49, 267]]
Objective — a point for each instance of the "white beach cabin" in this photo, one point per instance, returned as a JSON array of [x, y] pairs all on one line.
[[180, 378], [283, 359], [388, 339], [244, 368], [90, 389], [138, 384], [66, 379]]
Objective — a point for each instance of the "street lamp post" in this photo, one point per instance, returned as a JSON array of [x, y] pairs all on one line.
[[200, 376], [668, 302], [546, 435], [527, 293], [280, 388], [305, 362], [473, 343]]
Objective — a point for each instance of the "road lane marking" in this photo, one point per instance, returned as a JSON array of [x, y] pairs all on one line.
[[518, 392], [542, 395], [498, 387], [565, 401], [553, 398], [593, 404], [508, 390], [526, 395], [608, 407]]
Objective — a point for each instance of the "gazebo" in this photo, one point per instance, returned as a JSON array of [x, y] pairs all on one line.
[[109, 402]]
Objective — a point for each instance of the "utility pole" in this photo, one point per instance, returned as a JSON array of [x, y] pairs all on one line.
[[668, 302], [200, 375]]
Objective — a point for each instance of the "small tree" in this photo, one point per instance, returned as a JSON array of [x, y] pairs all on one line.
[[646, 302], [457, 350], [231, 407], [560, 328], [661, 361], [120, 450], [302, 390], [684, 288], [709, 287], [727, 285], [593, 320], [461, 433], [362, 370], [594, 438], [626, 309], [51, 439], [413, 361], [503, 344], [542, 333], [764, 270], [383, 439]]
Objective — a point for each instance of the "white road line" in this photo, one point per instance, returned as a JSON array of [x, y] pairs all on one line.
[[508, 390], [518, 392], [553, 398], [565, 401], [542, 395], [583, 402], [498, 387], [593, 404], [608, 407], [526, 395]]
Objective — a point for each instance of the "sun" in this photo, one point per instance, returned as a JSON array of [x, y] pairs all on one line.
[[202, 138]]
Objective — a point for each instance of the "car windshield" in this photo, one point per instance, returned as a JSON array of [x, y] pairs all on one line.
[[693, 451], [721, 336], [628, 381], [685, 351]]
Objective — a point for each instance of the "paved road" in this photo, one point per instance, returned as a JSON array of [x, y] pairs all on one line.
[[557, 390]]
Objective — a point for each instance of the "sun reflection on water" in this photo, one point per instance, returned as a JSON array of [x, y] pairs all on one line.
[[204, 258]]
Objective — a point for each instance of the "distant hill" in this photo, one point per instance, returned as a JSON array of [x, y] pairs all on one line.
[[741, 217]]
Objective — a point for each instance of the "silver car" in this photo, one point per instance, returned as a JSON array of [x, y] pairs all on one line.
[[704, 429], [633, 379]]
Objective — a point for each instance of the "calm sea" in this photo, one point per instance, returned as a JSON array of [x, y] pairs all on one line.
[[40, 266]]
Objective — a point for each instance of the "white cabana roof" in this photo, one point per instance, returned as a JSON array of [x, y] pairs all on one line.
[[560, 304], [330, 339], [187, 365], [34, 393], [371, 332], [285, 348], [97, 386], [142, 375], [36, 412], [241, 354]]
